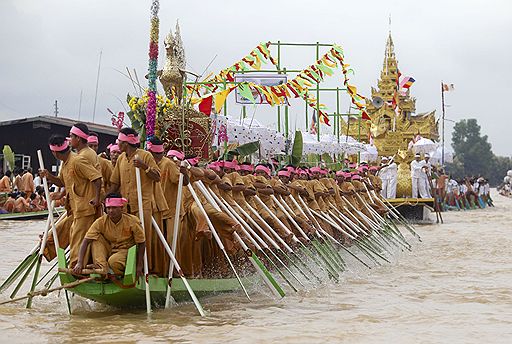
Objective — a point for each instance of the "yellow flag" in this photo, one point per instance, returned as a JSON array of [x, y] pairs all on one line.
[[220, 99]]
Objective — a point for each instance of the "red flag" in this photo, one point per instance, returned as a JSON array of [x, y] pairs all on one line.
[[365, 117], [205, 106]]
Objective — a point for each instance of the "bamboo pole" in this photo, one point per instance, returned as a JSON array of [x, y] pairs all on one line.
[[141, 217]]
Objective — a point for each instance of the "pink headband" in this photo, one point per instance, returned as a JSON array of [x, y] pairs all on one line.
[[356, 177], [324, 172], [374, 168], [262, 168], [155, 148], [291, 169], [79, 133], [130, 138], [347, 175], [230, 164], [59, 148], [340, 173], [284, 174], [115, 202], [315, 169], [114, 148], [193, 161], [92, 139], [302, 172], [214, 166], [246, 168], [175, 153]]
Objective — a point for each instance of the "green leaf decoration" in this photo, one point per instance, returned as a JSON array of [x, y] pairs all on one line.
[[248, 148], [327, 158], [9, 156], [297, 148]]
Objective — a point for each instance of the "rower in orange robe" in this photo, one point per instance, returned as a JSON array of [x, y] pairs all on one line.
[[123, 180], [82, 183]]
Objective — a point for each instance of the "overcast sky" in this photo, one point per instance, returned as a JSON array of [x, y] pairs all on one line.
[[50, 50]]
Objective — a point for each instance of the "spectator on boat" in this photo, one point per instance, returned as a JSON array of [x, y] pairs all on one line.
[[5, 182], [21, 205], [9, 203], [17, 181], [82, 182], [38, 181], [110, 237], [27, 182]]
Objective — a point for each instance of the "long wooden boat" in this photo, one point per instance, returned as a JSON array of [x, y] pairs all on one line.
[[129, 292], [31, 215]]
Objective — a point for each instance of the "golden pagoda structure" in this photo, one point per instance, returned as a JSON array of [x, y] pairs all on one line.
[[390, 129]]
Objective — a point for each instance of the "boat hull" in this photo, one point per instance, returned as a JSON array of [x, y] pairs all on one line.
[[111, 294]]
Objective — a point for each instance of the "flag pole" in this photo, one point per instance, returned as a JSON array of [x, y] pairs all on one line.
[[442, 124]]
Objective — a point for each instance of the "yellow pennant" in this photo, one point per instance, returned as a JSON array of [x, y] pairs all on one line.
[[220, 99]]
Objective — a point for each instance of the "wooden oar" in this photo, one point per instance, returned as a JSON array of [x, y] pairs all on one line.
[[177, 265], [45, 234], [217, 238], [258, 265], [437, 207], [44, 292], [249, 232], [20, 268], [328, 264], [141, 218], [265, 245], [286, 230], [175, 236]]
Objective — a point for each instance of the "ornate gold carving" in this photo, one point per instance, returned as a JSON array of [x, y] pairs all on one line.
[[392, 132]]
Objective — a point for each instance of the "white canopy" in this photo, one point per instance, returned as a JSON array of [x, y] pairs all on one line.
[[424, 145]]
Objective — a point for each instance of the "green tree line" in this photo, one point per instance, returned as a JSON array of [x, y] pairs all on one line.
[[473, 155]]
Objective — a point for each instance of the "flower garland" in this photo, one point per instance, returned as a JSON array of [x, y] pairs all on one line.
[[153, 65]]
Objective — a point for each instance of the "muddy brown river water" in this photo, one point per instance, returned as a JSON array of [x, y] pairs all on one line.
[[454, 287]]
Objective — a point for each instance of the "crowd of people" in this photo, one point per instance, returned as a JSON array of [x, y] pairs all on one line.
[[21, 192], [430, 181], [505, 188], [100, 193], [273, 197]]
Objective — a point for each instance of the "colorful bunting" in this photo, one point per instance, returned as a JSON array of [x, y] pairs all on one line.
[[205, 106], [279, 94]]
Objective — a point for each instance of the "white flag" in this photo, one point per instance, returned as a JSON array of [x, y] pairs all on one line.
[[448, 87]]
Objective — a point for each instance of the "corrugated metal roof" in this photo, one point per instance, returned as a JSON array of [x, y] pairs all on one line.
[[68, 122]]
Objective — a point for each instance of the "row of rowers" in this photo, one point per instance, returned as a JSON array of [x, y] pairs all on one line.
[[250, 191]]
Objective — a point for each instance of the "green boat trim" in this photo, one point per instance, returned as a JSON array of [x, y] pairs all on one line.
[[30, 215], [130, 292]]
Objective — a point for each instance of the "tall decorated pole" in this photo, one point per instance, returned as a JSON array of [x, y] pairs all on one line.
[[152, 69]]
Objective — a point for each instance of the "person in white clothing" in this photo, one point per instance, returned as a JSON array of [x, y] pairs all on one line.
[[427, 174], [388, 173], [418, 177], [37, 181]]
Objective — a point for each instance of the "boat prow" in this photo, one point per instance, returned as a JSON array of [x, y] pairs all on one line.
[[129, 292]]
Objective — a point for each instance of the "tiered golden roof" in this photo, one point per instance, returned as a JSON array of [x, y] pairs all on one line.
[[391, 131]]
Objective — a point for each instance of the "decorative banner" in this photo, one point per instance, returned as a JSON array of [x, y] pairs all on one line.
[[152, 70], [205, 106], [279, 94]]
